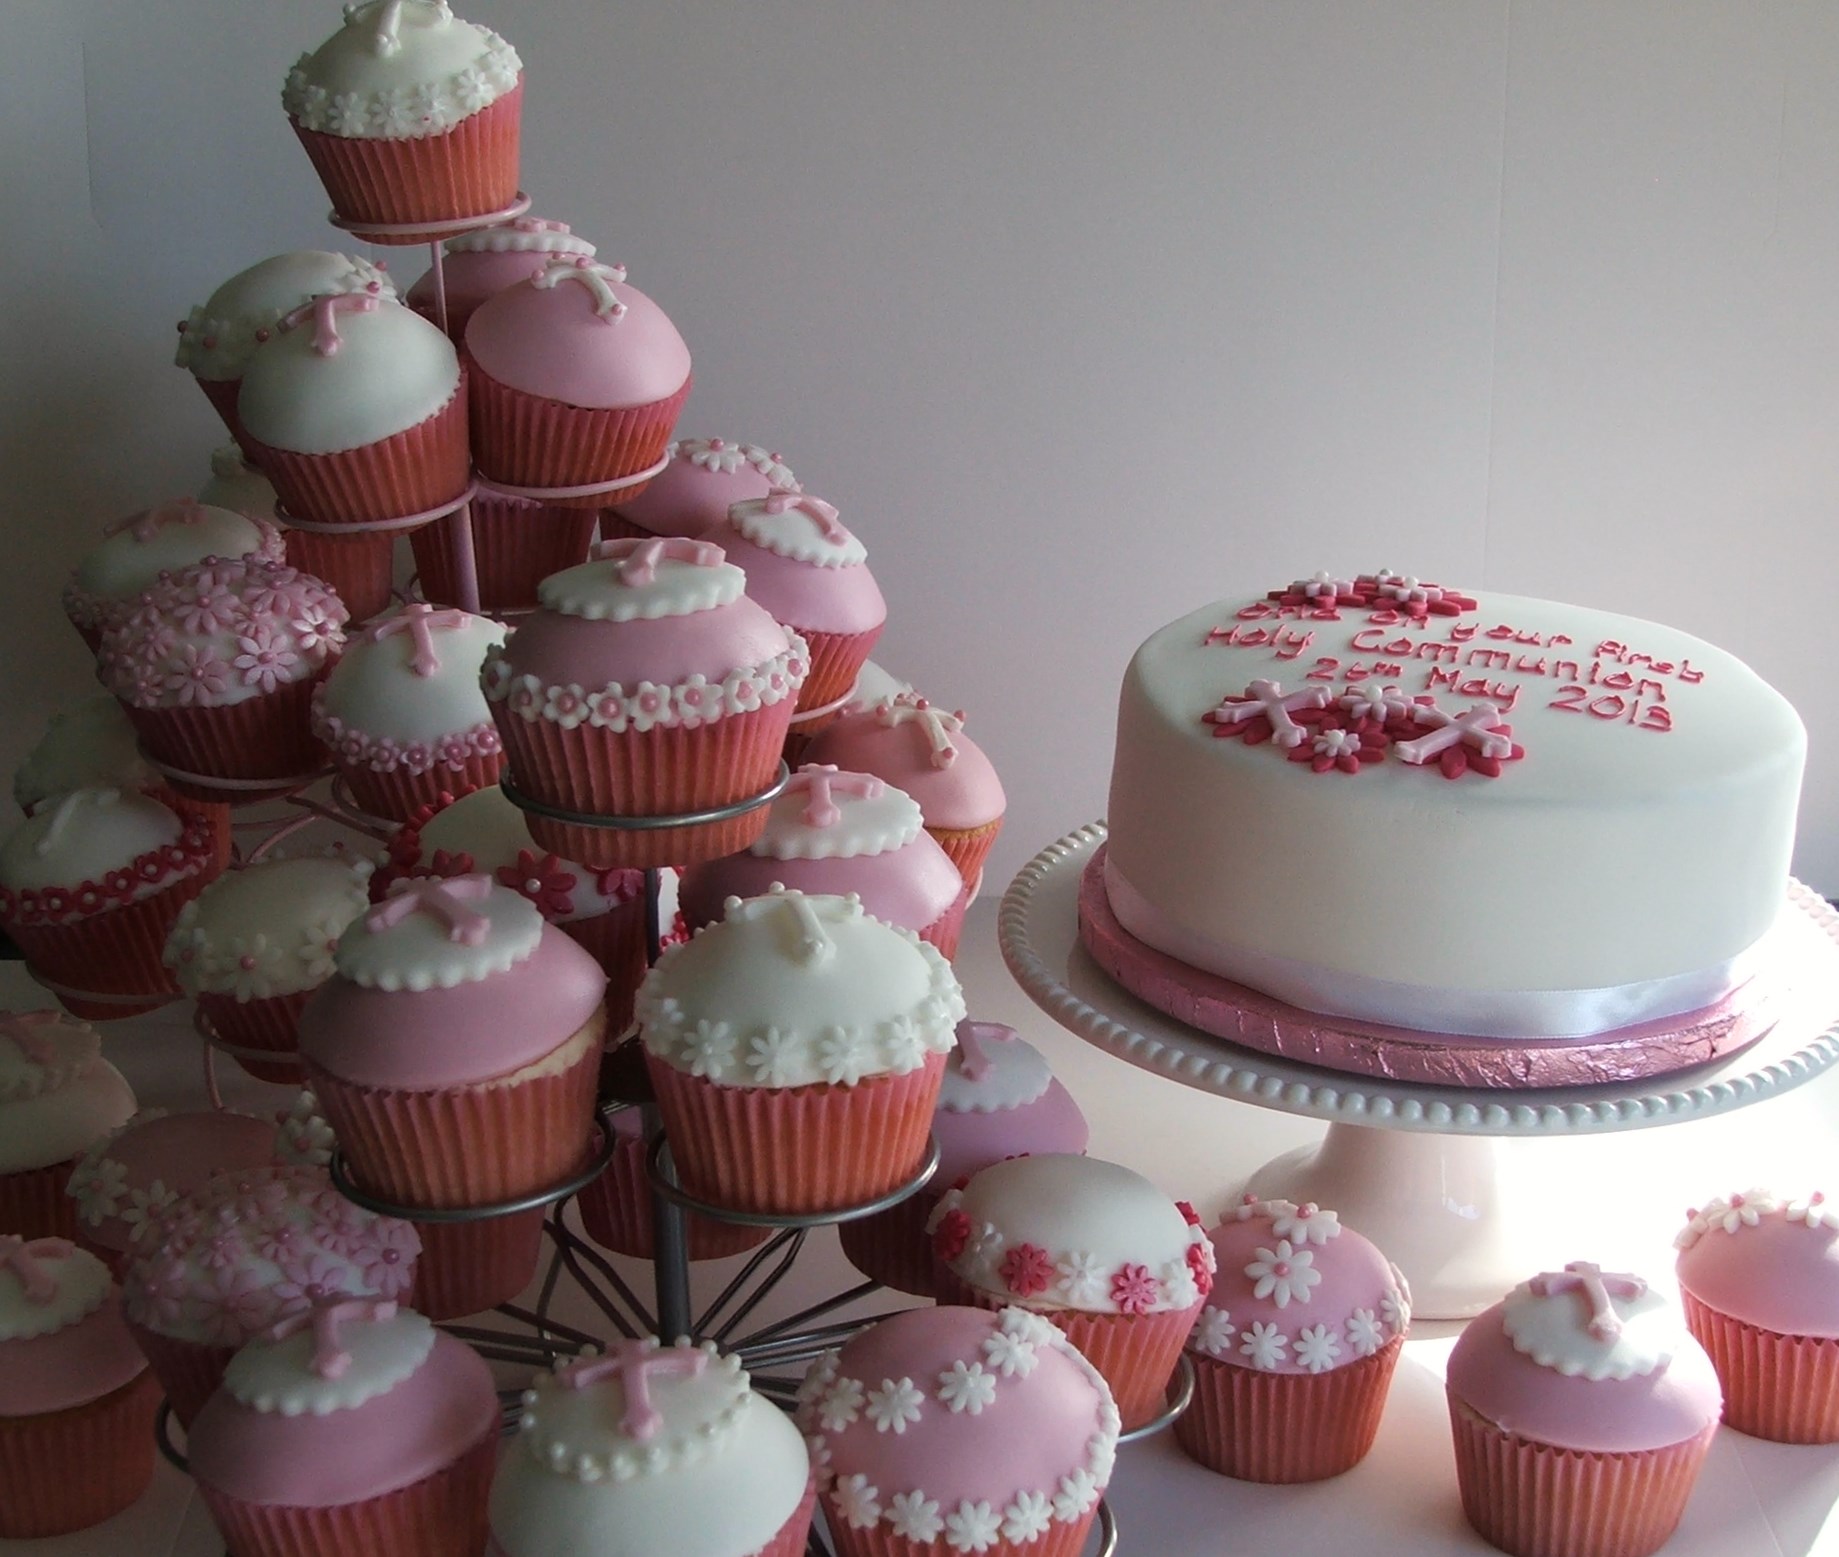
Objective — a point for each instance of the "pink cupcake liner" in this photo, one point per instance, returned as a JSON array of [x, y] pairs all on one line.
[[1285, 1427], [615, 940], [188, 1371], [361, 568], [67, 1470], [616, 1214], [213, 813], [272, 1025], [1776, 1386], [398, 795], [464, 1145], [526, 440], [968, 847], [468, 170], [417, 469], [947, 930], [35, 1202], [118, 952], [268, 736], [663, 771], [893, 1247], [879, 1540], [516, 545], [467, 1267], [836, 661], [796, 1150], [222, 393], [1537, 1500], [442, 1515]]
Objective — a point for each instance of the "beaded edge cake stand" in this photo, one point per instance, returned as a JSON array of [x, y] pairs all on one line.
[[1415, 1166]]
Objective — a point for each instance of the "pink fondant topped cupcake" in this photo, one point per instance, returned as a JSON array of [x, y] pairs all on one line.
[[705, 477], [924, 750], [479, 265], [956, 1430], [351, 1424], [648, 684], [811, 572], [577, 379], [402, 713], [837, 833], [409, 115], [1759, 1275]]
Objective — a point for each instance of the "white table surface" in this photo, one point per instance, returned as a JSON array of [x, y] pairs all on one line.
[[1614, 1199]]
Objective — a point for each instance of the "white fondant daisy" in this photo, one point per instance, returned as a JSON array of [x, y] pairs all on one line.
[[1317, 1348], [915, 1517], [895, 1405], [975, 1527], [1283, 1273], [857, 1501], [1263, 1345], [967, 1387]]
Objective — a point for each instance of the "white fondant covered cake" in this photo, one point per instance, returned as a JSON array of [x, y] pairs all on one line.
[[1477, 814]]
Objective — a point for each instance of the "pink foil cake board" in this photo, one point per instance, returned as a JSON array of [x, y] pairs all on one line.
[[1231, 1011]]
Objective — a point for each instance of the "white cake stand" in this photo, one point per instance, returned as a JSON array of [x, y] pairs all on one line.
[[1417, 1167]]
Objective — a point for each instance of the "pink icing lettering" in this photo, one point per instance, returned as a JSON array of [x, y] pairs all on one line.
[[1325, 670], [419, 620], [1293, 643], [323, 1316], [821, 782], [1405, 648], [1444, 653], [638, 557], [1598, 1288], [1527, 665], [1373, 633], [1565, 669], [1461, 632], [1656, 719], [443, 901], [324, 312], [1570, 700], [1611, 706], [1472, 728], [1488, 659], [1687, 673], [22, 1259], [1441, 678], [974, 1040], [634, 1363], [784, 499], [143, 527]]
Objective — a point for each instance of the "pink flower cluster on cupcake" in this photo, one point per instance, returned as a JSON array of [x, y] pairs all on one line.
[[702, 479]]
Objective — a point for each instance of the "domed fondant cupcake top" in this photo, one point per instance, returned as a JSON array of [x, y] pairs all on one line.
[[57, 1093], [1768, 1260], [1296, 1292], [219, 338], [221, 1265], [399, 69], [88, 744], [96, 849], [62, 1342], [705, 477], [802, 563], [237, 485], [998, 1099], [1073, 1232], [921, 749], [655, 1448], [105, 586], [984, 1429], [790, 991], [267, 929], [875, 685]]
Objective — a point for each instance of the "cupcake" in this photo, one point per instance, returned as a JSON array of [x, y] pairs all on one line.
[[924, 751], [875, 685], [1582, 1410], [651, 1449], [647, 685], [811, 573], [58, 1097], [479, 265], [237, 485], [997, 1099], [1759, 1277], [89, 744], [576, 381], [89, 889], [947, 1430], [410, 116], [76, 1400], [218, 339], [602, 911], [107, 584], [702, 479], [517, 542], [216, 667], [1294, 1348], [351, 1425], [1092, 1246], [796, 1049], [835, 833], [254, 945], [140, 1168], [402, 713], [217, 1267]]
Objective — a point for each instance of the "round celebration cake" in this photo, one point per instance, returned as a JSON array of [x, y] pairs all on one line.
[[1388, 827]]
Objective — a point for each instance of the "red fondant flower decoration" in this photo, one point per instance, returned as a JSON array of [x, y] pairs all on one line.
[[1335, 747], [951, 1235], [1197, 1263], [1134, 1290], [447, 865], [1472, 742], [1027, 1269], [1188, 1213], [542, 879]]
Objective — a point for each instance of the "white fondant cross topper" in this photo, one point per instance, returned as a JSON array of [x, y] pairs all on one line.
[[22, 1258], [323, 1316], [974, 1039], [939, 726], [24, 1028], [813, 943], [419, 620], [444, 901], [1598, 1288], [143, 527], [633, 1363], [1270, 699], [537, 224], [67, 808], [597, 278], [822, 782], [1473, 728], [782, 499], [638, 557], [324, 312]]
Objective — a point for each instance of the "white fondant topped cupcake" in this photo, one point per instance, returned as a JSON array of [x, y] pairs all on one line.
[[219, 338]]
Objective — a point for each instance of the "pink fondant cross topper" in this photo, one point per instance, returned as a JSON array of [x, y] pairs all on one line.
[[635, 1364], [143, 527], [1268, 698], [324, 312], [420, 621], [975, 1041], [443, 901], [21, 1258], [1474, 728], [638, 557], [31, 1034], [938, 725], [1598, 1290], [821, 783], [323, 1316], [783, 499]]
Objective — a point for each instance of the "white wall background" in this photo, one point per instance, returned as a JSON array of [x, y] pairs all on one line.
[[1084, 313]]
